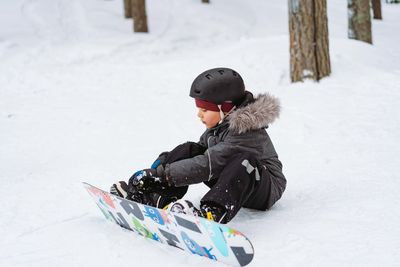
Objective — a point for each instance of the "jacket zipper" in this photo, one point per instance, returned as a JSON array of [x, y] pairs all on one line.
[[209, 158]]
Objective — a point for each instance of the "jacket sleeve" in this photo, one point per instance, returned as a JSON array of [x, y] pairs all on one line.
[[202, 167]]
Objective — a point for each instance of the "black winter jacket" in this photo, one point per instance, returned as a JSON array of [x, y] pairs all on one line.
[[244, 130]]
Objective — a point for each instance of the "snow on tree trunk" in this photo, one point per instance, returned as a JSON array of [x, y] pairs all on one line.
[[139, 16], [359, 20], [128, 8], [309, 42], [376, 7]]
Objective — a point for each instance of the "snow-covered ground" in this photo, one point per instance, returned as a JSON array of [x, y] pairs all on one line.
[[82, 98]]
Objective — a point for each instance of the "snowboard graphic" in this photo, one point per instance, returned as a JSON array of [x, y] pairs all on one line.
[[192, 234]]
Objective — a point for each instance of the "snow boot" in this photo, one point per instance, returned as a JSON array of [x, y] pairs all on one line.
[[184, 206], [208, 211], [153, 199], [213, 212], [120, 189]]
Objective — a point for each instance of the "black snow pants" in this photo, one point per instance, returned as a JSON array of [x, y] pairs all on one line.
[[242, 183]]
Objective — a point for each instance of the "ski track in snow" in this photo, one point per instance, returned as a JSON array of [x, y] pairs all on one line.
[[40, 228], [84, 99]]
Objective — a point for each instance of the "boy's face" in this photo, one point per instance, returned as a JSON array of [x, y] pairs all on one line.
[[208, 117]]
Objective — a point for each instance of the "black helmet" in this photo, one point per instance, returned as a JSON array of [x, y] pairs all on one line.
[[218, 85]]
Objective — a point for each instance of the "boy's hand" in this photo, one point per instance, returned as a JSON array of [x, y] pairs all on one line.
[[148, 178]]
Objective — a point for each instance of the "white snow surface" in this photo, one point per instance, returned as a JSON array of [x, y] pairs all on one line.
[[82, 98]]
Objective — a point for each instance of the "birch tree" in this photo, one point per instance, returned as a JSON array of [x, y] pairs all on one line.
[[309, 42]]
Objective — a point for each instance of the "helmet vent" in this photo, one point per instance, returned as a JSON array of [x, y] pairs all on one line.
[[221, 72], [209, 76]]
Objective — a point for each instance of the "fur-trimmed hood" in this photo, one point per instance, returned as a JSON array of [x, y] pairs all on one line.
[[258, 114]]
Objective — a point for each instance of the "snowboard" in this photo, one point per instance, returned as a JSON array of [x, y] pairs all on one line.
[[193, 234]]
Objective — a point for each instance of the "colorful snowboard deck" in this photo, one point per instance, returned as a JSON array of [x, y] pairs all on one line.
[[193, 234]]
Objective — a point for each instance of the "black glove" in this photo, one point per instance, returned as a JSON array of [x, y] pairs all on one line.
[[160, 161], [148, 179]]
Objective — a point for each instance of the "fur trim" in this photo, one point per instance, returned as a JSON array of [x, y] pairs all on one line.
[[258, 114]]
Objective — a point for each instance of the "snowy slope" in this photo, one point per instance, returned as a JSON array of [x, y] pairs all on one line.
[[80, 95]]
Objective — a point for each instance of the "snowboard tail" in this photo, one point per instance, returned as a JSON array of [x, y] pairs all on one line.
[[193, 234]]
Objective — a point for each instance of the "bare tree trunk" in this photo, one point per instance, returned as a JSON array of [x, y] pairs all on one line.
[[376, 7], [205, 1], [321, 39], [302, 63], [359, 20], [139, 16], [128, 8], [309, 42]]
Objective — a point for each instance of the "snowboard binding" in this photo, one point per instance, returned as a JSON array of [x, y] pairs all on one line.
[[143, 195]]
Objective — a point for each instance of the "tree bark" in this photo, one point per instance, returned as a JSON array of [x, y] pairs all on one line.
[[128, 8], [376, 7], [309, 42], [322, 39], [359, 20], [139, 16]]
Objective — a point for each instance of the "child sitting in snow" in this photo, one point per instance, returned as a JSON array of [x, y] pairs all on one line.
[[234, 157]]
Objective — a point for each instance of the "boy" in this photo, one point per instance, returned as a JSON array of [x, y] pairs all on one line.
[[234, 157]]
